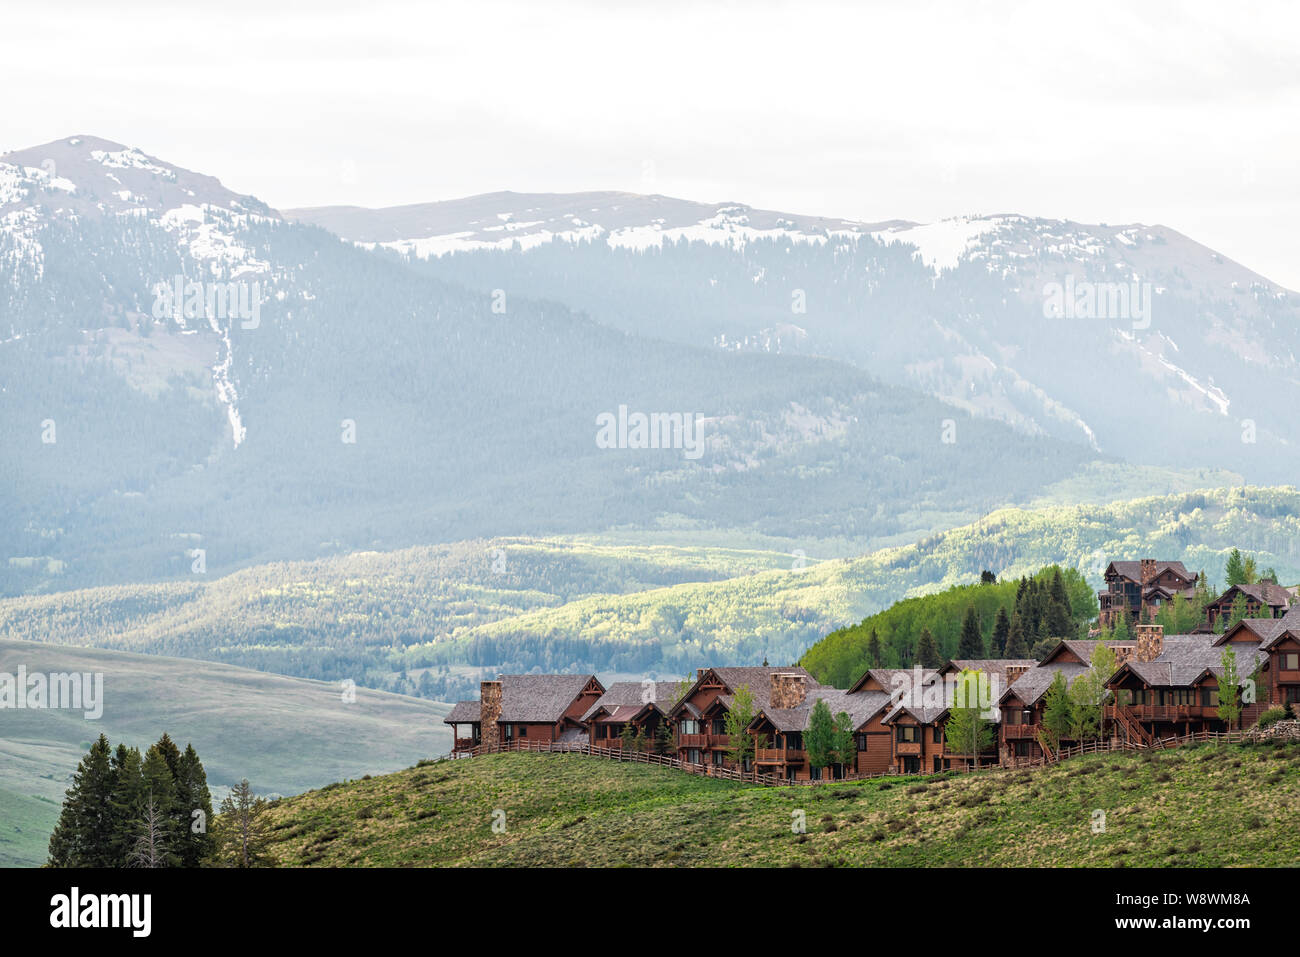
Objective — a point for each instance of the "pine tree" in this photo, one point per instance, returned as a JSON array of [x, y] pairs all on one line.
[[1057, 623], [1239, 611], [972, 642], [241, 833], [192, 795], [83, 836], [1017, 641], [927, 652], [874, 654], [664, 738], [1234, 569], [129, 800], [161, 786], [150, 848], [1059, 594], [1001, 634]]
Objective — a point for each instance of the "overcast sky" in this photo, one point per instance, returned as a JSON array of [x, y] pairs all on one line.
[[1181, 113]]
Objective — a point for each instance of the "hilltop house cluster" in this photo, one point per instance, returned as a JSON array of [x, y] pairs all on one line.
[[1162, 686]]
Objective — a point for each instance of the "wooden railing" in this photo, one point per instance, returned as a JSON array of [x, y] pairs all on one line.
[[780, 756], [1019, 731]]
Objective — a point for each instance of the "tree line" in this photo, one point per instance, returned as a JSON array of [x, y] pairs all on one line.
[[127, 809]]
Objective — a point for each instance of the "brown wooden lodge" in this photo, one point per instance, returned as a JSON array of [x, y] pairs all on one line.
[[1163, 686]]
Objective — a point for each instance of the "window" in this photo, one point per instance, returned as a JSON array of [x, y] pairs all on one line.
[[794, 741], [523, 731], [908, 734], [1210, 697], [718, 757], [1291, 661], [693, 756], [938, 735], [510, 732], [1021, 748], [815, 774], [690, 726], [719, 726], [1014, 716], [938, 763], [862, 742]]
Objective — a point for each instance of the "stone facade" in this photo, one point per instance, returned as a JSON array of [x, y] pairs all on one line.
[[490, 712], [1150, 642], [788, 690]]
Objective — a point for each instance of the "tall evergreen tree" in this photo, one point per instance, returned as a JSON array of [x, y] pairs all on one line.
[[1234, 569], [241, 833], [83, 836], [129, 801], [192, 795], [1001, 634], [874, 653], [972, 642], [161, 787], [927, 652], [1017, 641]]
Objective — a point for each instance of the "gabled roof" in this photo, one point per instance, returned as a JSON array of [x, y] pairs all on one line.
[[1033, 684], [540, 698], [1133, 570], [465, 712], [757, 679], [662, 694], [1185, 659], [861, 707], [988, 666], [1266, 593], [885, 677], [1083, 648], [1266, 630]]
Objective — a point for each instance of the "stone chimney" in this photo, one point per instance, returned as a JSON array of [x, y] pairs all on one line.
[[1150, 642], [1124, 652], [1148, 571], [489, 702], [1014, 672], [788, 690]]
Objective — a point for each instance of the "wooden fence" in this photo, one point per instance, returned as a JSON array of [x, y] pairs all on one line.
[[772, 780]]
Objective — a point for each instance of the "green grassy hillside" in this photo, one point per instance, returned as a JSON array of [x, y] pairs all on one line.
[[283, 734], [567, 604], [1201, 806]]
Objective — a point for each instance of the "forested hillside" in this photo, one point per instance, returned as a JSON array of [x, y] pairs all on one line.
[[389, 619]]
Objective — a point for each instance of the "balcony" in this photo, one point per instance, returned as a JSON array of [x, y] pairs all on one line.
[[1288, 677], [1171, 712], [908, 747], [1019, 732], [779, 756], [703, 741]]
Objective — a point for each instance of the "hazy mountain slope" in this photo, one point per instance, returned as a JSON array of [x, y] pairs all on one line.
[[283, 734], [367, 405], [1201, 364]]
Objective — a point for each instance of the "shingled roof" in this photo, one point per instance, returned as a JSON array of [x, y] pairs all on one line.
[[620, 694], [1033, 684], [1266, 593], [1267, 630], [1184, 658], [539, 698], [465, 712], [861, 707], [1133, 570]]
